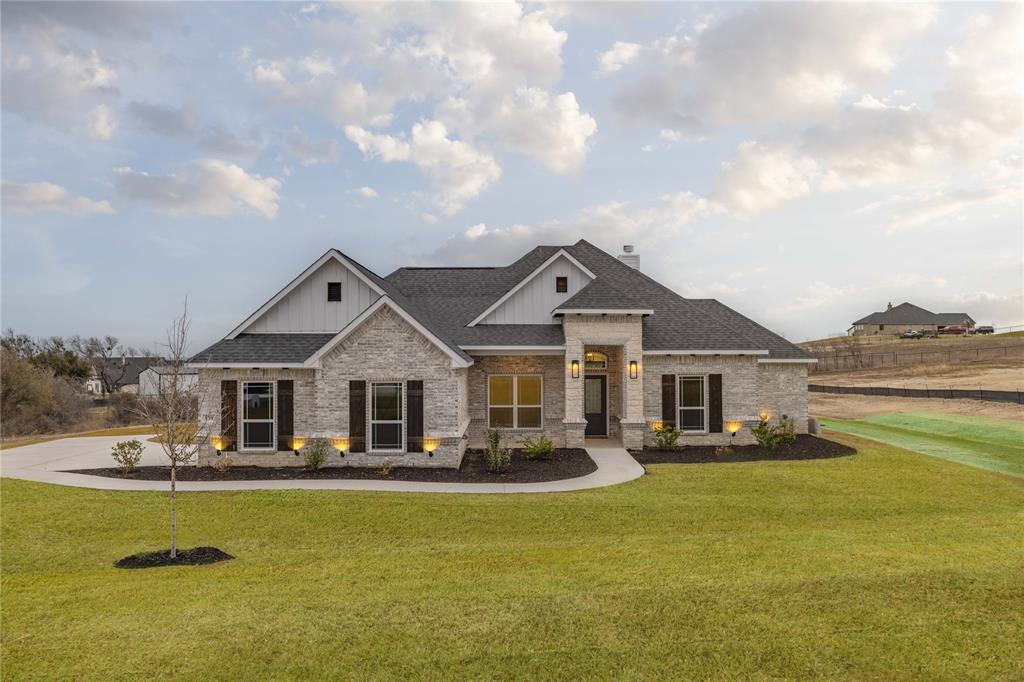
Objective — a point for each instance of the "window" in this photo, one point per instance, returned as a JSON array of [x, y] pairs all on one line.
[[881, 327], [561, 284], [386, 424], [334, 291], [692, 404], [595, 360], [257, 415], [514, 402]]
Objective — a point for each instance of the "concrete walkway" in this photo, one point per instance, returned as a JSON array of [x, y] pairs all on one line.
[[49, 463]]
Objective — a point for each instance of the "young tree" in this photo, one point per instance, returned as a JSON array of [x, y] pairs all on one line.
[[106, 358], [174, 412]]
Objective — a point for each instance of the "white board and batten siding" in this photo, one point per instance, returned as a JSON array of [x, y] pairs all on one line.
[[533, 303], [306, 308]]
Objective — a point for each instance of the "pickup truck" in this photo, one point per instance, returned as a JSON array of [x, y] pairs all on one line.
[[985, 329]]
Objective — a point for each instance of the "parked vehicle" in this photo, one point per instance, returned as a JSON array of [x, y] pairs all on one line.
[[985, 329], [953, 329], [911, 334]]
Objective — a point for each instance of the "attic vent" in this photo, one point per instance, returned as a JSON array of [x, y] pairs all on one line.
[[334, 291], [561, 285]]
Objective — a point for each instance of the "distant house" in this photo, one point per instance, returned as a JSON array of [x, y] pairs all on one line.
[[124, 373], [907, 317], [155, 378]]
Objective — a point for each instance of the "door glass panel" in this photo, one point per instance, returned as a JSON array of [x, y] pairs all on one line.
[[529, 390], [529, 417], [501, 390], [592, 403]]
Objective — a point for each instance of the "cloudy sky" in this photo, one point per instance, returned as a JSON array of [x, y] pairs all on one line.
[[803, 163]]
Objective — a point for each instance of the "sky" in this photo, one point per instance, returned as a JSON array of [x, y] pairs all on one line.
[[802, 163]]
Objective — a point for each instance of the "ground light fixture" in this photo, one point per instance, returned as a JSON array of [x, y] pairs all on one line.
[[633, 369], [575, 369], [341, 445], [297, 444], [732, 426], [218, 444], [431, 444], [763, 415]]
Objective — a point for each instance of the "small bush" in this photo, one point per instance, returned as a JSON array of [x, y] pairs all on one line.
[[723, 450], [386, 466], [223, 464], [666, 435], [787, 430], [127, 454], [498, 460], [315, 453], [542, 448], [771, 436], [492, 439]]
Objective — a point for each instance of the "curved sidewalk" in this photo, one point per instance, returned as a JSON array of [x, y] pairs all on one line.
[[49, 462]]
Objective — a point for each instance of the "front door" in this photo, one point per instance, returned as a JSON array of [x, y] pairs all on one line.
[[595, 404]]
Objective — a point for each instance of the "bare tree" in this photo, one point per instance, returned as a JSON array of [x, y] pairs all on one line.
[[106, 356], [175, 412]]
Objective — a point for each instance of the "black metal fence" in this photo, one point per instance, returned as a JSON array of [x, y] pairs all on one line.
[[830, 362], [897, 392]]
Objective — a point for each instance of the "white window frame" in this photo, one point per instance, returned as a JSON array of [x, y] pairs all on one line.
[[401, 414], [515, 402], [273, 417], [680, 407]]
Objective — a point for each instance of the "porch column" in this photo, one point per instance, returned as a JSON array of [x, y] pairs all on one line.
[[574, 421], [632, 422]]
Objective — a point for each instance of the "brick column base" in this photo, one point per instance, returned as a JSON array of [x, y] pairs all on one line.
[[633, 434], [574, 434]]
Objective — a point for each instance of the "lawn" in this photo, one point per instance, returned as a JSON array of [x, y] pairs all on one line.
[[994, 444], [883, 565]]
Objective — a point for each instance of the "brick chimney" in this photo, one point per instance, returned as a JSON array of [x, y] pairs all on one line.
[[629, 258], [889, 307]]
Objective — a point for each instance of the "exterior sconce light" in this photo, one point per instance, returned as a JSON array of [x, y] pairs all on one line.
[[764, 415], [297, 444], [633, 369], [733, 425], [341, 445], [431, 444], [575, 369]]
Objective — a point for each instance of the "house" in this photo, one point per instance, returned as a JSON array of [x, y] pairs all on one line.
[[155, 378], [567, 340], [123, 373], [908, 317]]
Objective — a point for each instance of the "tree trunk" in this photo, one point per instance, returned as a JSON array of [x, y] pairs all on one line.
[[174, 513]]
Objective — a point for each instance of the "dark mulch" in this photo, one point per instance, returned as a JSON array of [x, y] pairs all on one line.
[[564, 463], [184, 557], [804, 447]]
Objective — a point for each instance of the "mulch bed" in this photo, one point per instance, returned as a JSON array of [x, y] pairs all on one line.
[[185, 557], [804, 447], [564, 463]]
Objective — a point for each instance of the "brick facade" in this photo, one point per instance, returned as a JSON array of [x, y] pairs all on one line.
[[553, 407]]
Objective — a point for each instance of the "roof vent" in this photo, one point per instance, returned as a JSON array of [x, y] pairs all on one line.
[[629, 258]]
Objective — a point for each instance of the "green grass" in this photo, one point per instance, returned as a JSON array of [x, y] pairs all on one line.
[[884, 565], [994, 444]]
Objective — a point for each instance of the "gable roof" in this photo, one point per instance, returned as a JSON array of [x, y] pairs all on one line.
[[602, 295], [908, 313], [133, 366], [262, 349]]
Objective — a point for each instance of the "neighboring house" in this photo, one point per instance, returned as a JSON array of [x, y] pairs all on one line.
[[155, 378], [127, 380], [413, 367], [908, 317]]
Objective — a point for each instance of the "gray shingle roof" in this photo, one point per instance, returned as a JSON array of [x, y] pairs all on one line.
[[601, 295], [263, 348], [908, 313]]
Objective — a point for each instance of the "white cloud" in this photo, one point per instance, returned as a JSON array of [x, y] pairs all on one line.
[[102, 126], [366, 192], [941, 206], [46, 196], [618, 56], [308, 151], [211, 187], [759, 179], [456, 168]]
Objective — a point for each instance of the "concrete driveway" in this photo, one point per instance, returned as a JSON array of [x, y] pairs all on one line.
[[50, 462]]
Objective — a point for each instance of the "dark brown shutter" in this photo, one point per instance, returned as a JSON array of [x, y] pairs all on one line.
[[714, 403], [229, 414], [357, 416], [414, 423], [285, 414], [668, 399]]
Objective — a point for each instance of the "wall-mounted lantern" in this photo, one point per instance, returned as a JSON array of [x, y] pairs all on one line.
[[575, 369], [633, 369]]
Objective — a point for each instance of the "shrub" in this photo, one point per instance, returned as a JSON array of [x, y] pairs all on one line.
[[542, 448], [492, 439], [123, 409], [498, 460], [771, 436], [787, 430], [723, 450], [127, 454], [386, 466], [666, 435], [315, 453], [223, 463]]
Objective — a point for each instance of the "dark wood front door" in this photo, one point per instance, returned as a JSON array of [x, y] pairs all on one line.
[[595, 404]]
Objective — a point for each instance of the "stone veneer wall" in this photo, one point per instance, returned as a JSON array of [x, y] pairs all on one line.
[[384, 348], [548, 366], [782, 390]]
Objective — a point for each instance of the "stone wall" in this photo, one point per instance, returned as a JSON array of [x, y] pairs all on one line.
[[782, 390], [548, 366], [383, 348]]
